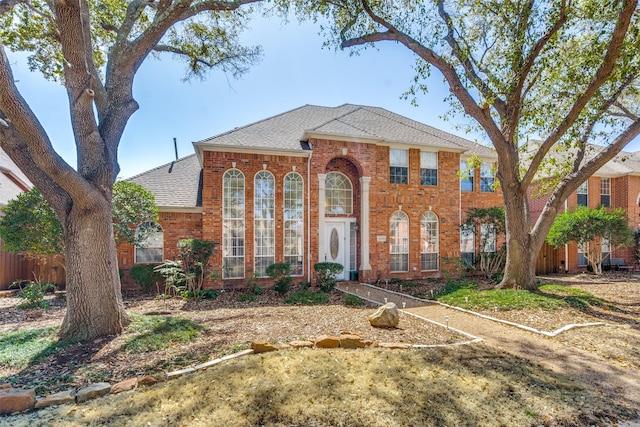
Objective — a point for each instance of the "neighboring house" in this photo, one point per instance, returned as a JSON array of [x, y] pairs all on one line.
[[12, 183], [361, 186], [615, 185]]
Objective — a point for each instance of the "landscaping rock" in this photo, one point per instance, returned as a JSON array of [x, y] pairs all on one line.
[[301, 344], [93, 391], [3, 386], [396, 345], [59, 398], [149, 380], [261, 346], [351, 341], [385, 316], [327, 341], [125, 385], [16, 400]]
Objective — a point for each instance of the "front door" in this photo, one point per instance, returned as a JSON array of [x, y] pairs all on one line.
[[337, 245]]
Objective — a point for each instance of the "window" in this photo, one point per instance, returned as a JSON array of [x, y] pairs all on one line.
[[429, 242], [582, 259], [467, 244], [605, 192], [488, 237], [264, 231], [151, 249], [339, 194], [428, 168], [606, 249], [399, 242], [466, 177], [233, 224], [486, 177], [583, 194], [399, 166], [353, 255], [294, 223]]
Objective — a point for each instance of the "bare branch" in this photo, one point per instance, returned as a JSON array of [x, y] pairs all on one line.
[[601, 76], [625, 111]]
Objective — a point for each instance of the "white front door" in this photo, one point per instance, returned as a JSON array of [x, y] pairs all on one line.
[[336, 245]]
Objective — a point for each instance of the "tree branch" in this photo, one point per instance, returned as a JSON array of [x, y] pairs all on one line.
[[601, 76], [7, 5]]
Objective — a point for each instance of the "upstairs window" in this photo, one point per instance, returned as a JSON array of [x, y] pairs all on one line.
[[466, 177], [338, 194], [583, 194], [486, 177], [428, 168], [605, 192], [399, 166], [151, 249]]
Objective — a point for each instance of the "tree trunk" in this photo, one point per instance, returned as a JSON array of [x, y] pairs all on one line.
[[520, 267], [94, 299]]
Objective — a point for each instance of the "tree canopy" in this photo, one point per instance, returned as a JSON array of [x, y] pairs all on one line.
[[564, 72]]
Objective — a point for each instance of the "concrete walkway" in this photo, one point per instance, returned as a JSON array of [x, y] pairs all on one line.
[[539, 349]]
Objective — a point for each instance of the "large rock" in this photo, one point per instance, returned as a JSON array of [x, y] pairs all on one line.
[[301, 344], [92, 391], [327, 341], [125, 385], [352, 341], [59, 398], [261, 346], [385, 316], [16, 400]]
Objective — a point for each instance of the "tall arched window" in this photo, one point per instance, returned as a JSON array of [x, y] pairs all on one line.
[[264, 231], [339, 194], [150, 249], [233, 224], [429, 247], [294, 223], [399, 242]]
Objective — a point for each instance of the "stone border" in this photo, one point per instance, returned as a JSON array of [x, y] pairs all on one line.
[[484, 316]]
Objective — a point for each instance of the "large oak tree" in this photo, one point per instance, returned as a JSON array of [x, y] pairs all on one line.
[[563, 70], [95, 48]]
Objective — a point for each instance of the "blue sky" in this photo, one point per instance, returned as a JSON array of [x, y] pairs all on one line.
[[294, 71]]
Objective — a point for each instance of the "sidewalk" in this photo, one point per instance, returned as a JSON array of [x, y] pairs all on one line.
[[547, 352]]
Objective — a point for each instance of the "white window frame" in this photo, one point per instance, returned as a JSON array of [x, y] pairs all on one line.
[[264, 230], [399, 242], [429, 241], [605, 190], [232, 251], [156, 237], [338, 196], [466, 175], [487, 173], [429, 162], [399, 158], [488, 238], [468, 238], [583, 190], [293, 235]]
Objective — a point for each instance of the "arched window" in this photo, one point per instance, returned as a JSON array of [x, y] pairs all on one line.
[[339, 194], [150, 249], [264, 222], [294, 223], [233, 224], [429, 247], [399, 242]]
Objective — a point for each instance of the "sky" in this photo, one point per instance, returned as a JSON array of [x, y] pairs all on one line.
[[295, 70]]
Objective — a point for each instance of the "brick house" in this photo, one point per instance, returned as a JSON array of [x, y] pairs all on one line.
[[615, 185], [372, 190]]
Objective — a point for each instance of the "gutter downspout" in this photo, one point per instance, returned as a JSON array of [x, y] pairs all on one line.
[[309, 214], [566, 245]]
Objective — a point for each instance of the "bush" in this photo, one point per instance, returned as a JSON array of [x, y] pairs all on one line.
[[33, 293], [281, 275], [248, 297], [326, 275], [174, 277], [144, 276], [353, 301], [307, 297]]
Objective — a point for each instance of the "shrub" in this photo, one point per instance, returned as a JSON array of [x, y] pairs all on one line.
[[281, 275], [195, 255], [303, 284], [252, 284], [326, 275], [353, 301], [174, 277], [33, 293], [144, 276], [247, 297], [307, 297]]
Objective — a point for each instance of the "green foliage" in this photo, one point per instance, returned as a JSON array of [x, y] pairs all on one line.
[[144, 275], [153, 333], [33, 293], [303, 284], [173, 275], [326, 275], [252, 284], [281, 275], [491, 263], [307, 297], [588, 227], [195, 255], [353, 301], [247, 297], [22, 348], [132, 207], [29, 226]]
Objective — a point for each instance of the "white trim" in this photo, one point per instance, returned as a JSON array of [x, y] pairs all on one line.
[[379, 141], [179, 209], [365, 265]]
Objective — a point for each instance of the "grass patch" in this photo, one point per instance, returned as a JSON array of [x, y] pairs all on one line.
[[307, 297], [549, 297], [22, 348], [153, 333], [353, 301]]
